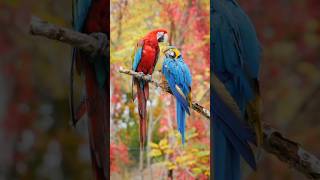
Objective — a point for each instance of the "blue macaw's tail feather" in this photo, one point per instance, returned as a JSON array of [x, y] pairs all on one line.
[[181, 120], [226, 158], [234, 130], [183, 101]]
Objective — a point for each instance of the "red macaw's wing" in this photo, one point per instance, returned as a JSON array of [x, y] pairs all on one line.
[[148, 59]]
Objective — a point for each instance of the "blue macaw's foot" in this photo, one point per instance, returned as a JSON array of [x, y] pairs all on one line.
[[103, 44]]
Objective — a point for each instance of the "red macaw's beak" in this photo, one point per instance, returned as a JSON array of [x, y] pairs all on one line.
[[162, 37]]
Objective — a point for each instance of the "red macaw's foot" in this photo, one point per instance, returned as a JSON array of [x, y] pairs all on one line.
[[140, 75], [148, 77], [103, 44]]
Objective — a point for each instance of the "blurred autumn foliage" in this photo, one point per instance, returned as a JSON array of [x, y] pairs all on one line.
[[37, 141], [289, 32], [188, 25]]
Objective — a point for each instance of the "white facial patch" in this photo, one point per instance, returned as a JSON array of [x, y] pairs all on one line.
[[160, 34], [165, 38]]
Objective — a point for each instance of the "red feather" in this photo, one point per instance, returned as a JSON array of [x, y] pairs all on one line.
[[98, 112]]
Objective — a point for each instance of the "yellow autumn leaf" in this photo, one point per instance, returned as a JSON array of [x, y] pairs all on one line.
[[190, 163], [194, 150], [170, 165], [154, 145], [203, 153], [196, 170], [207, 173], [163, 143], [155, 153], [192, 136], [164, 147], [181, 160], [168, 151]]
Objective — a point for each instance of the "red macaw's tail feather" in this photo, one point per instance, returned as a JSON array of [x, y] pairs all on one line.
[[143, 95], [80, 111], [98, 112]]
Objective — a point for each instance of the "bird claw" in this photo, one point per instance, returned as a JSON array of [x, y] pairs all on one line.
[[103, 44], [140, 75], [148, 77]]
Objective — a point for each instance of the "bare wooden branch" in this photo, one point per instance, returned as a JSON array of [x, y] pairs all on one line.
[[291, 153], [275, 143], [82, 41]]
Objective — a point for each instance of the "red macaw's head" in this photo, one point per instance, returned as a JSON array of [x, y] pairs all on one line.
[[160, 34]]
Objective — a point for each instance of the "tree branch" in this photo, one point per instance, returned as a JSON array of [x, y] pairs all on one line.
[[275, 143], [290, 152], [82, 41]]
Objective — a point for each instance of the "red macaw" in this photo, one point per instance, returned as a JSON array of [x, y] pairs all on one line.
[[92, 17], [144, 61]]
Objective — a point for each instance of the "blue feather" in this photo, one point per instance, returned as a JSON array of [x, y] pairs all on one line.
[[235, 130], [235, 62], [80, 11], [137, 58], [181, 120]]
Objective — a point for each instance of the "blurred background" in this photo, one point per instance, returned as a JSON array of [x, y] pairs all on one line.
[[289, 32], [37, 141], [188, 25]]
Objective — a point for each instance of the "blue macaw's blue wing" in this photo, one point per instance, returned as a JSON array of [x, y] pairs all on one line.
[[237, 53], [176, 74], [187, 79], [80, 11], [137, 55]]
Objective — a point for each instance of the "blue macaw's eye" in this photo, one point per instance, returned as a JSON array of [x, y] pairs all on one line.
[[172, 54]]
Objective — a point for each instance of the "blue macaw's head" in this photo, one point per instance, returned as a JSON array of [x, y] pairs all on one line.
[[172, 52]]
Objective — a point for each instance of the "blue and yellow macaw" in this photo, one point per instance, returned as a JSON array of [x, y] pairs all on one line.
[[235, 98], [179, 80]]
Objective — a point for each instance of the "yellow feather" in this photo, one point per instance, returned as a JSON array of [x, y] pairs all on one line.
[[180, 92], [224, 94], [254, 118]]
